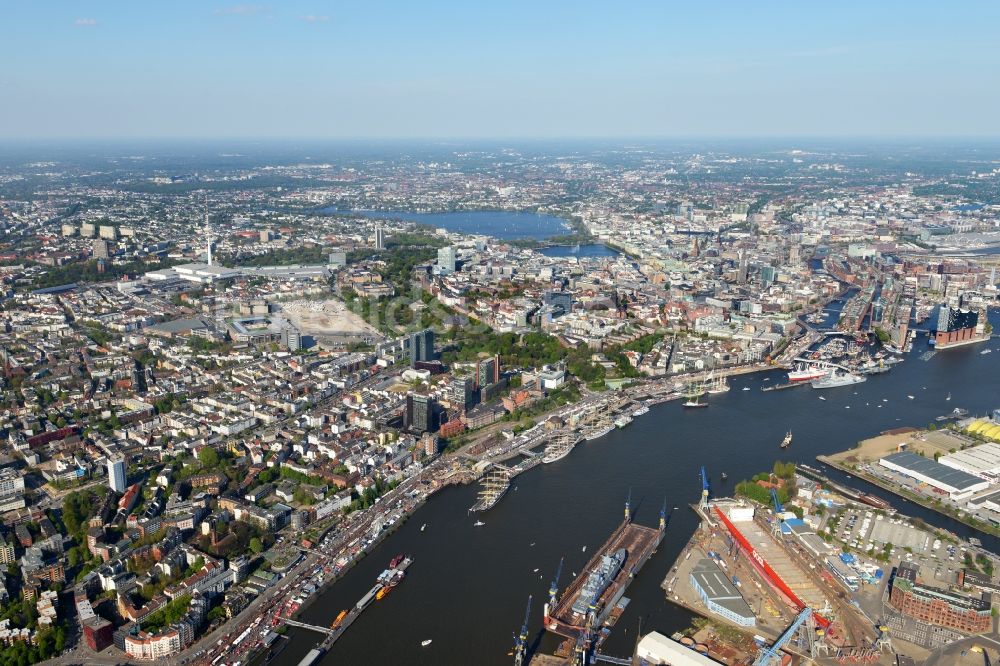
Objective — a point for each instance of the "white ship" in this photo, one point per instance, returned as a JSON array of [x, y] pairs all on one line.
[[807, 372], [623, 420], [642, 410], [596, 434]]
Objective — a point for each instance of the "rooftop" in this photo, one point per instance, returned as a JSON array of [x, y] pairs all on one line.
[[934, 470]]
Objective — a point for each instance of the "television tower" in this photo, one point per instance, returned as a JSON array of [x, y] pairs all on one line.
[[208, 233]]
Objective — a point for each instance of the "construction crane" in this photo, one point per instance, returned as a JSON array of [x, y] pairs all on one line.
[[704, 487], [772, 655], [778, 507], [521, 640]]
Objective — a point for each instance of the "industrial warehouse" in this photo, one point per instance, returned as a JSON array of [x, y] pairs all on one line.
[[958, 485]]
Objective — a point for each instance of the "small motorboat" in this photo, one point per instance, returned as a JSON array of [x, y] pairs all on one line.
[[426, 643], [478, 523], [423, 527]]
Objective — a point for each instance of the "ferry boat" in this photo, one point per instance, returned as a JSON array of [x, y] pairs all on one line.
[[807, 372]]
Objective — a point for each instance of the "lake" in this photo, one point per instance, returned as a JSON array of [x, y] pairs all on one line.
[[589, 251], [505, 225]]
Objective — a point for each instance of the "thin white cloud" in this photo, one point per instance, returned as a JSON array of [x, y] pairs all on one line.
[[239, 10], [312, 18], [85, 22]]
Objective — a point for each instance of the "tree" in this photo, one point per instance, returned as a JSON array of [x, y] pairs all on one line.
[[208, 456], [256, 547]]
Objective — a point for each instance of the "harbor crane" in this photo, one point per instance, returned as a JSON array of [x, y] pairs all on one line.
[[585, 640], [772, 655], [704, 487], [554, 587], [778, 506], [521, 640]]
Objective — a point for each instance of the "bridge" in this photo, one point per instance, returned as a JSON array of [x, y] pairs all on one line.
[[310, 627], [612, 660]]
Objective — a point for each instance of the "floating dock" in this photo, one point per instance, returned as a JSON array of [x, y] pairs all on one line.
[[639, 543]]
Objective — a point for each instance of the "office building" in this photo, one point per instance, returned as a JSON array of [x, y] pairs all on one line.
[[266, 235], [116, 474], [460, 391], [379, 236], [487, 371], [291, 339], [561, 302], [421, 346], [419, 413], [108, 232], [446, 260]]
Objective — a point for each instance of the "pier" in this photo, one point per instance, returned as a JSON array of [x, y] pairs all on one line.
[[335, 632]]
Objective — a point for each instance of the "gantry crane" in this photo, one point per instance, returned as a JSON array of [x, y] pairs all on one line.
[[772, 655], [521, 640], [704, 487]]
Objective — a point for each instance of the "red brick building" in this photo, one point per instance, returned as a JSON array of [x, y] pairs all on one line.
[[939, 607], [98, 632]]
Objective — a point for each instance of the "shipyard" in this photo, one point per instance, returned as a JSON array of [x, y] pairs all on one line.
[[824, 573]]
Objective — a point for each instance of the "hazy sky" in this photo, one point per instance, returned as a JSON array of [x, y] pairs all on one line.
[[475, 68]]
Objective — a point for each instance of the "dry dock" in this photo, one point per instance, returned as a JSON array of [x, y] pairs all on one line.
[[639, 542]]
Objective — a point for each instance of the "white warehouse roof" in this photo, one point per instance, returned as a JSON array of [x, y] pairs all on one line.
[[982, 461]]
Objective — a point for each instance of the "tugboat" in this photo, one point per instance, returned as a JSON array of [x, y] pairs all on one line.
[[787, 440]]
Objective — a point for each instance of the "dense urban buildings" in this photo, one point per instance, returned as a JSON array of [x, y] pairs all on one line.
[[222, 387]]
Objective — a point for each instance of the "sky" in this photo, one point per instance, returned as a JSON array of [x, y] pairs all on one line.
[[498, 69]]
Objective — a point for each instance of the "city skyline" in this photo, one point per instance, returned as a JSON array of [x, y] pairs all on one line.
[[222, 70]]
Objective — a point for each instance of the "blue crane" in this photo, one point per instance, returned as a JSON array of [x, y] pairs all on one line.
[[704, 486], [554, 587], [521, 640], [584, 641], [778, 507], [772, 655]]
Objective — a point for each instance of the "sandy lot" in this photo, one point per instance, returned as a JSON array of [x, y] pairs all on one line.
[[926, 443], [327, 317]]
